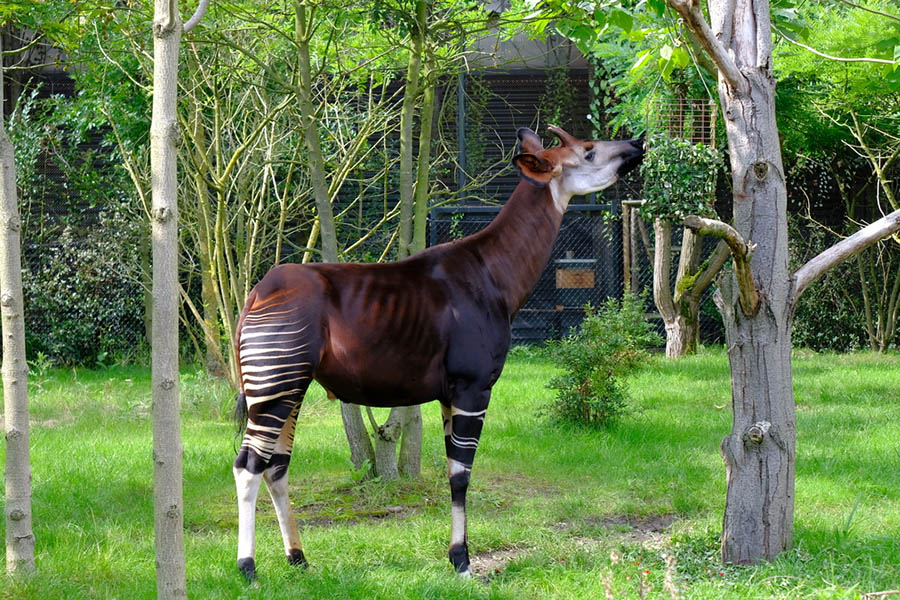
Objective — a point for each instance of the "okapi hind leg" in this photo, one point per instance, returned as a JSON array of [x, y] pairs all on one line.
[[265, 454], [276, 478], [247, 484], [462, 430]]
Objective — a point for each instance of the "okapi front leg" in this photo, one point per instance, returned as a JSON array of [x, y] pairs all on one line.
[[462, 429]]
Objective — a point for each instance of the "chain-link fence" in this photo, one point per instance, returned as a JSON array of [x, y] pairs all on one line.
[[585, 267]]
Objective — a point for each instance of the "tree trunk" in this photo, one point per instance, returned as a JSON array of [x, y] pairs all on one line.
[[680, 311], [405, 422], [167, 450], [361, 451], [683, 332], [208, 290], [407, 115], [19, 533], [757, 300], [303, 32], [386, 438], [760, 450]]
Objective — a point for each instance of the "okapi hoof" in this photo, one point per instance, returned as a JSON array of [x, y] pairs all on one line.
[[459, 558], [247, 567], [295, 557]]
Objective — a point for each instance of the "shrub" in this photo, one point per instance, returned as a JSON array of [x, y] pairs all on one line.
[[611, 343], [84, 304]]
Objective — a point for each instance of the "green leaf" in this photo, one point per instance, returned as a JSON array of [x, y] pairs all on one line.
[[621, 19], [680, 57], [642, 59], [657, 6]]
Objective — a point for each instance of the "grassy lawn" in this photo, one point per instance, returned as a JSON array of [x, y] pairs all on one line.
[[554, 512]]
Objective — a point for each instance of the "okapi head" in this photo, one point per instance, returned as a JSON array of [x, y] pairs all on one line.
[[575, 167]]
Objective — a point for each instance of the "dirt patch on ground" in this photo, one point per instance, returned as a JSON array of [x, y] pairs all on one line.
[[325, 504], [316, 515], [629, 528], [487, 564]]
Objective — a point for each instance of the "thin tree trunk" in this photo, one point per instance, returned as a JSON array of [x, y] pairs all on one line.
[[407, 114], [324, 228], [411, 199], [410, 456], [167, 450], [303, 31], [208, 291], [19, 533]]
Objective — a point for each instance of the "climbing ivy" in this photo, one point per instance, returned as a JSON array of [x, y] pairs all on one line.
[[478, 93], [557, 104], [679, 178]]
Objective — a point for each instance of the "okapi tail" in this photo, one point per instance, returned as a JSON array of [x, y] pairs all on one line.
[[240, 418]]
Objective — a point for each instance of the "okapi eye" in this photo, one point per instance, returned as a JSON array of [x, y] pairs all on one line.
[[589, 156]]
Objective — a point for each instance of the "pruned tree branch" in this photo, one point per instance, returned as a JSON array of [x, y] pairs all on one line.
[[715, 262], [198, 14], [843, 250], [689, 10], [742, 252]]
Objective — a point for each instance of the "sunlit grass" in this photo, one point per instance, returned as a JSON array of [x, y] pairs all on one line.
[[565, 512]]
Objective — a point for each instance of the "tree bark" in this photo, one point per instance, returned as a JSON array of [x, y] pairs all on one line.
[[19, 533], [760, 450], [167, 449]]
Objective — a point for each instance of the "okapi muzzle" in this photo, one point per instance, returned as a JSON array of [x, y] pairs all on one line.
[[435, 326]]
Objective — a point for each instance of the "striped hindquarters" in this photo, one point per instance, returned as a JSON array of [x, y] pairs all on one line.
[[275, 355]]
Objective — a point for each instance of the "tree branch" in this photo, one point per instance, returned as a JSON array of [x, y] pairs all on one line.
[[689, 10], [843, 250], [714, 264], [871, 10], [741, 251], [880, 61], [198, 14]]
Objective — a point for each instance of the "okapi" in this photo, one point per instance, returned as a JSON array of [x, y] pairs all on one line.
[[434, 326]]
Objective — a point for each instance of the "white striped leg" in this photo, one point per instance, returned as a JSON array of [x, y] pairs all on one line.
[[247, 491], [278, 489]]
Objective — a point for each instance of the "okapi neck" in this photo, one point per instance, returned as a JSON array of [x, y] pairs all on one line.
[[517, 244]]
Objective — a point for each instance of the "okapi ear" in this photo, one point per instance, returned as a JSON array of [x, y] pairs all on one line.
[[535, 169], [529, 141]]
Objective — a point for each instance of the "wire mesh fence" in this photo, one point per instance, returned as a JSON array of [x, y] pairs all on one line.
[[583, 267]]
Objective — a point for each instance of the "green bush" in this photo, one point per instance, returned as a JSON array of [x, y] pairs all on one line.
[[679, 178], [611, 343], [84, 303]]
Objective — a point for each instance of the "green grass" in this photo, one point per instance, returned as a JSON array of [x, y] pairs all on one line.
[[563, 512]]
